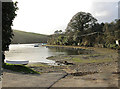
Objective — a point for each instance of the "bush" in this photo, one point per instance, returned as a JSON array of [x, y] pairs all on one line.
[[113, 46]]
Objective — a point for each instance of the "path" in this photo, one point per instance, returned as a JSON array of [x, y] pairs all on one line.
[[91, 80], [24, 80], [50, 80]]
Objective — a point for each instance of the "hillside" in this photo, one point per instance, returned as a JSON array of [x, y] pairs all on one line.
[[28, 37]]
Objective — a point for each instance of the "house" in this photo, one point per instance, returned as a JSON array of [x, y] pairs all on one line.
[[118, 42]]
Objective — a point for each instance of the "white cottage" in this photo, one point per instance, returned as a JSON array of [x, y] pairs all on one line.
[[118, 42]]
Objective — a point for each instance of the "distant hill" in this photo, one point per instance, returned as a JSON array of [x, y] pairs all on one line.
[[28, 37]]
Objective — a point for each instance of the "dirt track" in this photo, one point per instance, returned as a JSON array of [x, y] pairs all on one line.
[[12, 79]]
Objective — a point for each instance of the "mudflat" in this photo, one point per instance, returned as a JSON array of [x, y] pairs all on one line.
[[96, 69]]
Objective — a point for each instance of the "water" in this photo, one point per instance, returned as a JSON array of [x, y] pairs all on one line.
[[63, 51], [37, 54]]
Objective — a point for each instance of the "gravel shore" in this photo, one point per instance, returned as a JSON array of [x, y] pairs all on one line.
[[99, 67]]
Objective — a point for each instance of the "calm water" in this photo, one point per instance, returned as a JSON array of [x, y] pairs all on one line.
[[37, 54]]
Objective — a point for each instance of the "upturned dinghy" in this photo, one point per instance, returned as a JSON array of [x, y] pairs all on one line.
[[19, 62]]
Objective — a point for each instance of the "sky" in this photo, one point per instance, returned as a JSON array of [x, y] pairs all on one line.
[[47, 16]]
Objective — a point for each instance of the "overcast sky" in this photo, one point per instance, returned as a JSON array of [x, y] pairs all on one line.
[[46, 16]]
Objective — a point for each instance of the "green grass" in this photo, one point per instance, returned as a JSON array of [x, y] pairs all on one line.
[[51, 57], [90, 60], [38, 65], [95, 55], [28, 37], [19, 68], [67, 57]]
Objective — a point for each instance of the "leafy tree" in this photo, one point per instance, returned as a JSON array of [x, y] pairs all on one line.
[[97, 27], [81, 21], [58, 32], [8, 14], [117, 29], [84, 29], [109, 30], [117, 24]]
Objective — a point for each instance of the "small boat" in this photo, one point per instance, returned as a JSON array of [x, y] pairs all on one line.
[[36, 45], [19, 62]]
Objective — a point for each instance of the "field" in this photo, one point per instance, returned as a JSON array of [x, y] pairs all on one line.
[[28, 37]]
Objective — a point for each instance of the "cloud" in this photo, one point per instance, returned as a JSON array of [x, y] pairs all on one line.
[[101, 14], [105, 11]]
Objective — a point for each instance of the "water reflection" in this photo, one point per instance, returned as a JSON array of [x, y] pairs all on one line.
[[69, 51]]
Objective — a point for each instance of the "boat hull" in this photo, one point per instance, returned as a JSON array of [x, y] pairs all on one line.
[[19, 62]]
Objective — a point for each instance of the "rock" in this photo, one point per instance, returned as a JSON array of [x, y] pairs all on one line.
[[66, 63]]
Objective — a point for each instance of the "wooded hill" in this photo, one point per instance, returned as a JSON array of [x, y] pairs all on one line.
[[84, 30], [28, 37]]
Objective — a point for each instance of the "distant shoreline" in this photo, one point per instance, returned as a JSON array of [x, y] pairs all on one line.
[[76, 47]]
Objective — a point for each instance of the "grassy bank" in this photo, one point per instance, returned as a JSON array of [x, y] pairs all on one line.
[[19, 68], [91, 60], [28, 37]]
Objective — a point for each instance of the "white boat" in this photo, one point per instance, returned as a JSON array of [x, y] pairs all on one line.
[[21, 62]]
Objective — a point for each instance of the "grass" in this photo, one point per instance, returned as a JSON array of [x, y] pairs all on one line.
[[37, 65], [91, 60], [28, 37], [67, 57], [50, 57], [19, 68], [95, 55]]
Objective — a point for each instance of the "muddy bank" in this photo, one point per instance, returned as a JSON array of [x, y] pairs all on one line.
[[99, 68], [45, 68], [100, 60]]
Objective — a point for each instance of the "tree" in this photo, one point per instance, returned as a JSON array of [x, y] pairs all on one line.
[[8, 14], [80, 24], [81, 21], [58, 32], [117, 29], [109, 33]]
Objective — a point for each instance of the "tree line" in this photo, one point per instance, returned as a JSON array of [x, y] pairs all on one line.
[[84, 30]]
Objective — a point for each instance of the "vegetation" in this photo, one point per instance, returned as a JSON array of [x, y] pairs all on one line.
[[28, 37], [8, 14], [38, 65], [83, 30], [91, 60], [19, 68]]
